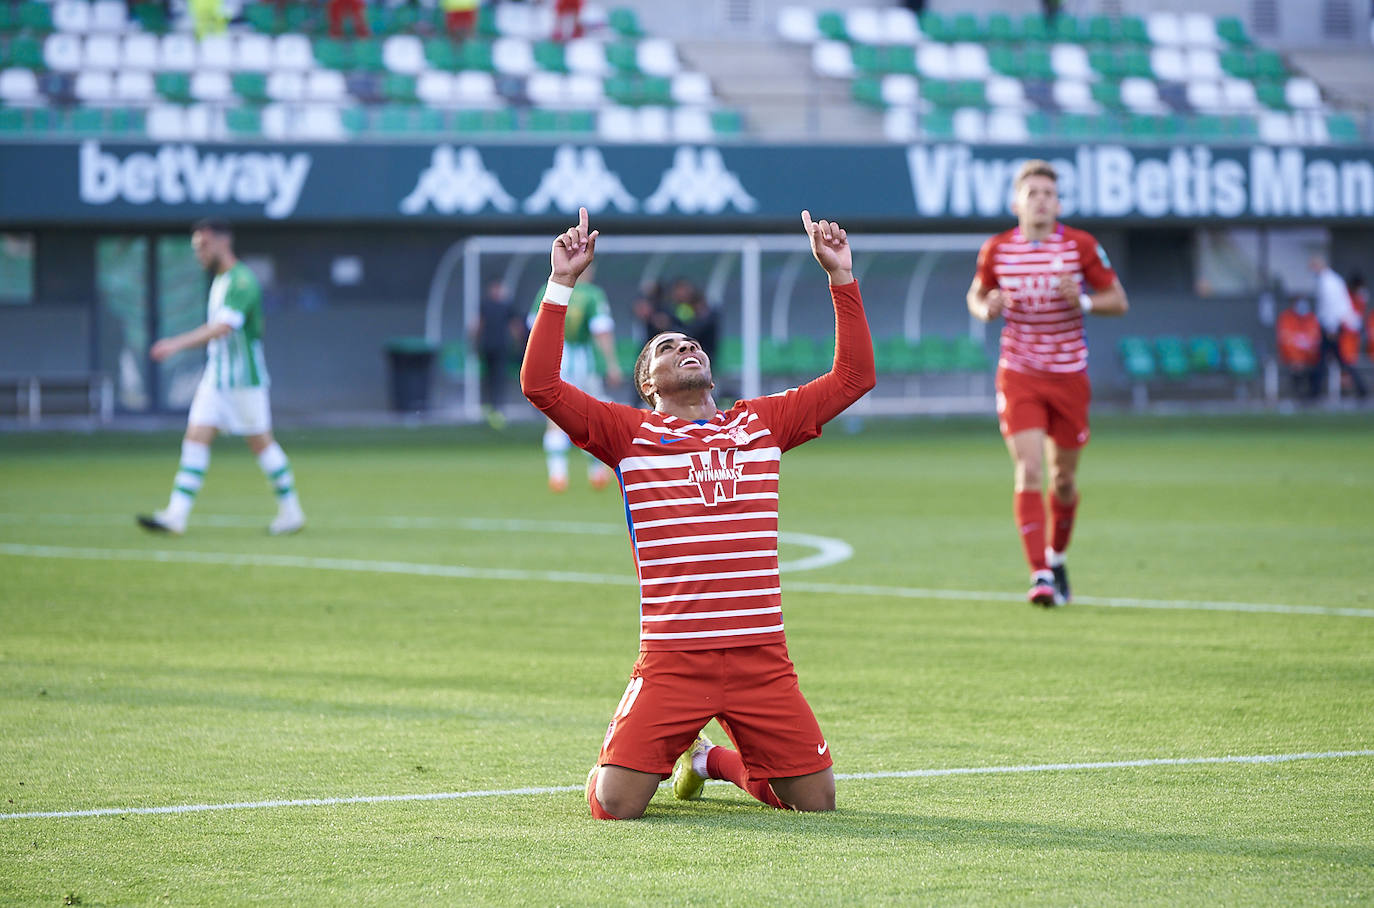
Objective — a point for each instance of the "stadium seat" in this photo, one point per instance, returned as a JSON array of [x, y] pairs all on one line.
[[243, 122], [832, 58], [251, 87], [293, 52], [1199, 30], [1171, 357], [551, 56], [211, 85], [1070, 61], [140, 51], [1302, 94], [1232, 31], [1074, 96], [435, 88], [1137, 358], [325, 86], [71, 16], [692, 124], [100, 52], [1239, 356], [93, 87], [178, 52], [36, 17], [512, 57], [19, 86], [831, 25], [969, 355], [216, 52], [254, 53], [1164, 29], [478, 88], [797, 24], [691, 89], [587, 56], [173, 87], [285, 86], [1204, 355], [62, 52], [26, 51], [625, 23]]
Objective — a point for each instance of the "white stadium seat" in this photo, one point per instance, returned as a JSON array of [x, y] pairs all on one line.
[[513, 56], [545, 89], [653, 124], [135, 86], [1276, 128], [900, 90], [405, 53], [211, 85], [657, 57], [524, 20], [179, 52], [1199, 30], [692, 89], [435, 88], [201, 122], [833, 58], [970, 125], [71, 16], [933, 61], [1239, 95], [1141, 95], [584, 90], [321, 122], [93, 87], [1074, 96], [140, 51], [899, 125], [1164, 29], [1205, 96], [166, 123], [109, 16], [1070, 61], [254, 53], [100, 52], [473, 89], [19, 86], [798, 25], [292, 51], [1202, 63], [1007, 126], [325, 85], [970, 61], [901, 26], [1168, 64], [584, 55], [217, 52], [276, 122], [1302, 93], [62, 52], [285, 85], [615, 123], [865, 25], [1005, 92], [692, 124]]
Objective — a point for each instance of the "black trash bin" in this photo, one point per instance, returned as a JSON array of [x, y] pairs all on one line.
[[411, 361]]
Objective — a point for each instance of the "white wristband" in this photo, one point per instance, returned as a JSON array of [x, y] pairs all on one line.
[[558, 294], [1086, 302]]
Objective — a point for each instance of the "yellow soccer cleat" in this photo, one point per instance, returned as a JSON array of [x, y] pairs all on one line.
[[687, 782]]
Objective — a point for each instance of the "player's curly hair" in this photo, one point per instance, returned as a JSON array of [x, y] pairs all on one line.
[[1035, 167], [641, 370]]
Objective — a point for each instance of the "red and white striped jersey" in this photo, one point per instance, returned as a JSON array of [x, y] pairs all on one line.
[[1043, 332], [701, 498]]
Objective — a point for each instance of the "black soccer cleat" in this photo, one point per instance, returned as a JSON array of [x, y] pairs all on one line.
[[1062, 593]]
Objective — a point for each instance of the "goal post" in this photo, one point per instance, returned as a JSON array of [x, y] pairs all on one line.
[[753, 279]]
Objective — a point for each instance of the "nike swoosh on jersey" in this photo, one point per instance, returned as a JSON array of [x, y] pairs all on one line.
[[665, 440]]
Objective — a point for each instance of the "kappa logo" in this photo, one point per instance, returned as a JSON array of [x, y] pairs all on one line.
[[457, 181], [715, 473], [698, 183], [579, 179]]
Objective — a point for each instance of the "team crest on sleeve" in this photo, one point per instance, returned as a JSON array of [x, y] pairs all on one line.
[[715, 475]]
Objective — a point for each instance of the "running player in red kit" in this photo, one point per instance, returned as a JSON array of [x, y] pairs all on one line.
[[1042, 278], [701, 498]]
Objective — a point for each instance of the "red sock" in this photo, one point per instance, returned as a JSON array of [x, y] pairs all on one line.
[[1030, 520], [1063, 522], [724, 763]]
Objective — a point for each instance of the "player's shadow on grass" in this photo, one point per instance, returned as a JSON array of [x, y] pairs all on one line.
[[936, 832]]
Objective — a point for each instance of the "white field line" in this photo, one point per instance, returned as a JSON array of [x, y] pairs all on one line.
[[20, 550], [560, 789]]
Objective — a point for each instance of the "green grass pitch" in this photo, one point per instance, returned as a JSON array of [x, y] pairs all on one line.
[[412, 641]]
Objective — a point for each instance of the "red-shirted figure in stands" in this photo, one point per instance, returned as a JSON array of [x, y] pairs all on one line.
[[1299, 337], [567, 19], [1042, 278], [701, 498], [353, 10]]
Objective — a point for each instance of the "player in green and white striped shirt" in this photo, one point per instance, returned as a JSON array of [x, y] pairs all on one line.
[[232, 396]]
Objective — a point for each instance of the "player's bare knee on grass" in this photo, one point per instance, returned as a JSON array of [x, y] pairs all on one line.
[[624, 793], [811, 793]]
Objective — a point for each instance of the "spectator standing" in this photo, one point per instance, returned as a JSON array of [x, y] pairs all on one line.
[[460, 18], [1334, 312], [352, 10], [567, 19], [207, 17], [1300, 339], [499, 328]]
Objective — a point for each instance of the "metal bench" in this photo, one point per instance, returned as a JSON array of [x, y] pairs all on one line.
[[28, 389]]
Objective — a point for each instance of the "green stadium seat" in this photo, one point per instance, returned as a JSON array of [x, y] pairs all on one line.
[[1230, 30], [938, 92], [773, 358], [173, 86], [1239, 356], [486, 22], [1271, 95], [354, 120], [442, 54], [1343, 128], [1067, 29], [367, 55], [332, 53], [1108, 94], [624, 56], [1269, 65], [302, 17], [831, 25], [624, 22], [86, 121], [1107, 63], [551, 56], [727, 123], [12, 121], [970, 93], [9, 18], [899, 58], [933, 356], [1137, 63], [428, 121], [1133, 31], [398, 88], [729, 356], [866, 58], [485, 121], [896, 356], [1238, 63], [126, 121], [969, 355], [1038, 64], [1137, 358], [938, 125], [803, 356], [37, 17], [965, 27], [250, 86], [263, 18], [1204, 355], [936, 27], [26, 52], [1001, 28], [244, 122], [1039, 125], [1172, 357], [392, 119], [476, 55], [1007, 62], [1035, 28], [869, 91], [1104, 30]]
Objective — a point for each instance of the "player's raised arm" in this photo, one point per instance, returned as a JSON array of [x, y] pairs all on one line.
[[830, 246]]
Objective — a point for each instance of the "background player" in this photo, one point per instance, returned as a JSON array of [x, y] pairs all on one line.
[[232, 395], [588, 323], [1037, 278], [701, 497]]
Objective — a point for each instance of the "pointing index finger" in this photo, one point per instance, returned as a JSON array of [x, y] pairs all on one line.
[[582, 220], [806, 221]]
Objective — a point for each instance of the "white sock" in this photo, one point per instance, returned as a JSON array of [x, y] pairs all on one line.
[[556, 444], [277, 469], [195, 461], [1054, 559], [699, 763]]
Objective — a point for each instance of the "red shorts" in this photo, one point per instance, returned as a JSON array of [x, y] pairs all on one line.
[[1056, 403], [751, 690]]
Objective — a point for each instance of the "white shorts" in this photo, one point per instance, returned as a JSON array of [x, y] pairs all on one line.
[[579, 369], [237, 411]]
